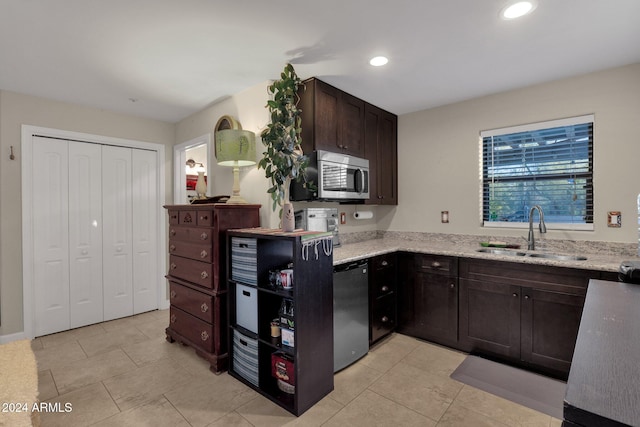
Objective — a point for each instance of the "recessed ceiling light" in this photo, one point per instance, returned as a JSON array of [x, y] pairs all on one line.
[[517, 9], [378, 61]]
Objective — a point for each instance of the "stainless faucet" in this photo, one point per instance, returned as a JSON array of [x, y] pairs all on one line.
[[543, 227]]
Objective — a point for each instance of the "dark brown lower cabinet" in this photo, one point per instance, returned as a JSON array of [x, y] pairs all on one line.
[[490, 318], [521, 313], [428, 298], [549, 325]]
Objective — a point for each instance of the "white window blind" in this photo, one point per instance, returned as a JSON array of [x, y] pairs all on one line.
[[548, 164]]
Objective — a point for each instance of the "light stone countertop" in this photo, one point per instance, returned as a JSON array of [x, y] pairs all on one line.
[[601, 256]]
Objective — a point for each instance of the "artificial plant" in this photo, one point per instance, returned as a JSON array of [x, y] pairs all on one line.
[[283, 160]]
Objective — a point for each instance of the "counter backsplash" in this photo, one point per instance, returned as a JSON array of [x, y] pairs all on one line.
[[542, 244]]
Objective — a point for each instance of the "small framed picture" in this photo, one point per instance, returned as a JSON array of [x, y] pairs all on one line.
[[614, 219]]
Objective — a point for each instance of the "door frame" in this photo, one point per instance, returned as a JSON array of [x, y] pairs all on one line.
[[179, 160], [28, 285]]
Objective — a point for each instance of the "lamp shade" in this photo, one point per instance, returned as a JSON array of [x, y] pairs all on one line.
[[235, 147]]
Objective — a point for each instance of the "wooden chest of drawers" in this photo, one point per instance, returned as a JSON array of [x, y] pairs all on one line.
[[197, 275]]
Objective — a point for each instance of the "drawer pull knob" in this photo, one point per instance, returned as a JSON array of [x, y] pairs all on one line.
[[204, 217], [436, 264], [172, 248], [384, 319], [514, 294], [204, 236], [384, 263], [172, 232], [203, 254], [173, 318], [526, 297], [204, 275], [204, 307], [452, 286], [172, 294], [204, 336], [173, 266], [385, 289]]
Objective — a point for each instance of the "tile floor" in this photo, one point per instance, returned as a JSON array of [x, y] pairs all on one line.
[[124, 373]]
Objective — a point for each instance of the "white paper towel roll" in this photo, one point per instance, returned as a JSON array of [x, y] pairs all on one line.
[[363, 215]]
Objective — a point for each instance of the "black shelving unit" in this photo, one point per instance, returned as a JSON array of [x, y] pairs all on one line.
[[258, 252]]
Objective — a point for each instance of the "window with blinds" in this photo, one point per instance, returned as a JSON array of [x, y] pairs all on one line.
[[548, 164]]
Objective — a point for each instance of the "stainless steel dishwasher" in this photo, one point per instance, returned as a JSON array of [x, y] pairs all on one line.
[[350, 313]]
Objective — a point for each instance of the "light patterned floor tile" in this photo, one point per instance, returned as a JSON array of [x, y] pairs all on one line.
[[59, 355], [386, 354], [46, 386], [111, 340], [88, 406], [351, 381], [264, 413], [142, 385], [459, 416], [72, 335], [156, 413], [209, 398], [425, 393], [370, 409], [92, 370], [435, 359], [500, 409]]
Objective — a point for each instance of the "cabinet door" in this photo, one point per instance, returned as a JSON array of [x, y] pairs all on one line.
[[383, 317], [85, 234], [549, 328], [326, 130], [117, 232], [381, 151], [50, 193], [351, 122], [490, 318], [436, 305], [145, 231]]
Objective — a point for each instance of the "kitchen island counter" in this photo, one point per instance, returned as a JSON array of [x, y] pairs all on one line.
[[604, 382]]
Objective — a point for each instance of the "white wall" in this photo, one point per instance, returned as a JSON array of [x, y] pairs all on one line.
[[248, 107], [16, 110], [438, 154]]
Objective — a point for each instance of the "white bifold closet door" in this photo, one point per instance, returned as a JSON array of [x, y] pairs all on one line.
[[94, 232]]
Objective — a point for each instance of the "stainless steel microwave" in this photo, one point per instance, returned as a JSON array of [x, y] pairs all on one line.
[[337, 177]]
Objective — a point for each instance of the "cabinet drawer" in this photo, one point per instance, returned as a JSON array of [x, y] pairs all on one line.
[[191, 234], [383, 262], [243, 260], [245, 357], [205, 218], [187, 217], [195, 330], [383, 317], [193, 302], [174, 217], [437, 264], [197, 272], [197, 251]]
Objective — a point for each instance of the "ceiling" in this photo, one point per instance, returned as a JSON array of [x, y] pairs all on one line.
[[166, 59]]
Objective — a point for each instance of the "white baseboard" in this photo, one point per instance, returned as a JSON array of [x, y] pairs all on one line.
[[12, 337]]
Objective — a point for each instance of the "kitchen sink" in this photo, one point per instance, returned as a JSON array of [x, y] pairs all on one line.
[[532, 254], [500, 252], [558, 257]]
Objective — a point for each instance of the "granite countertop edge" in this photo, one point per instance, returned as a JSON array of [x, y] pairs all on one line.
[[349, 252]]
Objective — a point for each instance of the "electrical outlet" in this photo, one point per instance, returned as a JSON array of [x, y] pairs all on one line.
[[444, 217]]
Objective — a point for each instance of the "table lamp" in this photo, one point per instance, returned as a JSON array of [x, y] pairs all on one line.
[[236, 147]]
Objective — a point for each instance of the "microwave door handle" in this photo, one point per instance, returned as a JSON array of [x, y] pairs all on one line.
[[361, 181]]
